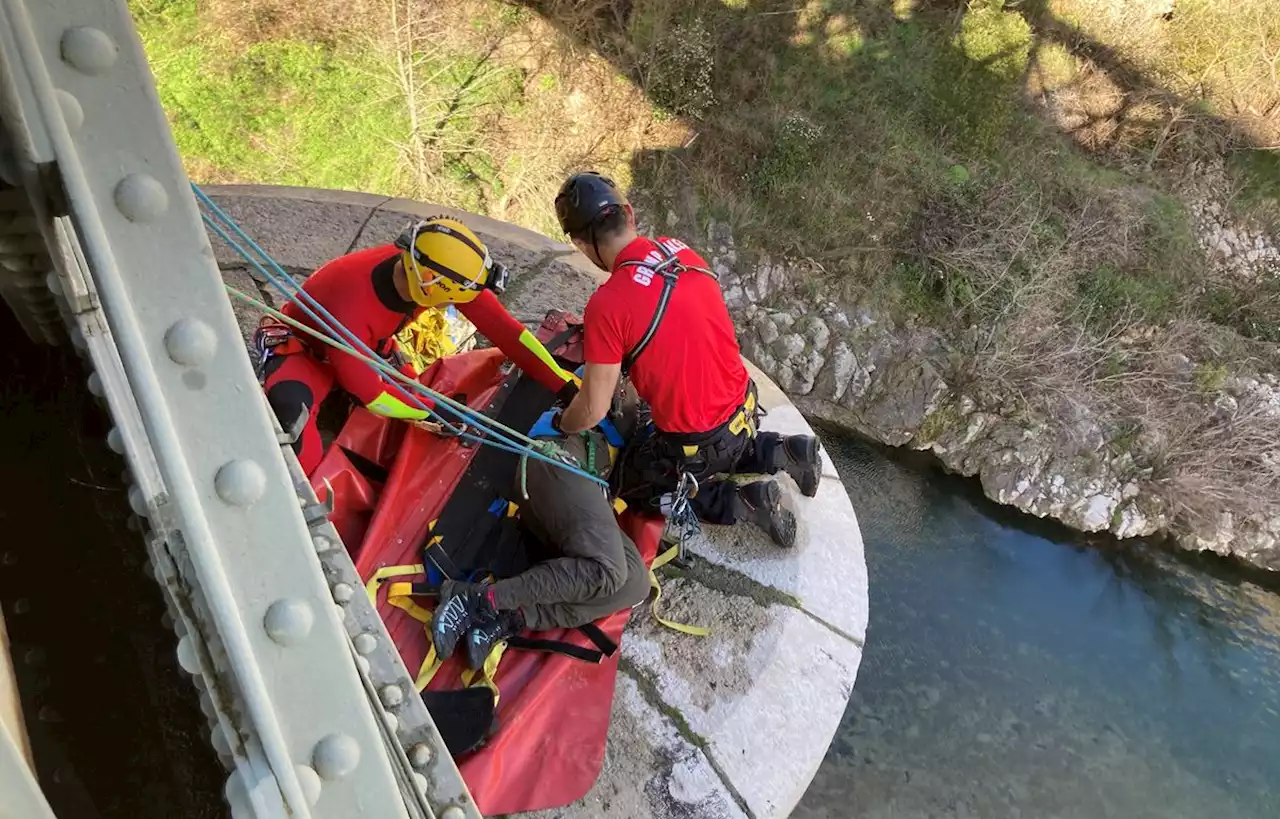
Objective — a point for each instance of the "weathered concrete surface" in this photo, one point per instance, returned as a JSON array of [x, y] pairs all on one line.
[[731, 725]]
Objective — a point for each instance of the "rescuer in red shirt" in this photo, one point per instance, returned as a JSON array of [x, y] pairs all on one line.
[[375, 293], [661, 320]]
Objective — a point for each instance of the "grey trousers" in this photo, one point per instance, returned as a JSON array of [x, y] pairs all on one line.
[[599, 570]]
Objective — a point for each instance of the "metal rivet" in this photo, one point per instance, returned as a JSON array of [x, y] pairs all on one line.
[[95, 385], [365, 643], [310, 782], [206, 705], [140, 197], [54, 284], [21, 606], [335, 756], [72, 113], [342, 613], [453, 812], [115, 440], [237, 796], [322, 543], [190, 342], [420, 755], [421, 783], [137, 502], [391, 695], [187, 656], [363, 664], [88, 49], [342, 592], [392, 721], [288, 622], [240, 483], [218, 738]]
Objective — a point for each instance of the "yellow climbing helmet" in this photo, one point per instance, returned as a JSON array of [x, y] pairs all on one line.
[[446, 263]]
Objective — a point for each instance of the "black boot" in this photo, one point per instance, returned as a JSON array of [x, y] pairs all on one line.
[[462, 605], [798, 456], [487, 633], [761, 504]]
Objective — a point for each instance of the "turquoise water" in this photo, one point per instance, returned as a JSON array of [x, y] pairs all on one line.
[[1014, 670]]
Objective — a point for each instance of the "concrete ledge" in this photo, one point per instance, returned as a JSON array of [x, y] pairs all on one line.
[[732, 725]]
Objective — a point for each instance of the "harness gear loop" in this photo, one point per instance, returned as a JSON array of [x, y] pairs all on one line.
[[670, 269]]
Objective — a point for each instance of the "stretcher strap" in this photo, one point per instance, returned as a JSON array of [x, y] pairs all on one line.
[[684, 628], [485, 676]]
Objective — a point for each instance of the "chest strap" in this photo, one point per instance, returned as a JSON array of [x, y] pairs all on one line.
[[670, 269]]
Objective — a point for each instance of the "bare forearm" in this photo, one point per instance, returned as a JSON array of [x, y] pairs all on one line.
[[580, 415]]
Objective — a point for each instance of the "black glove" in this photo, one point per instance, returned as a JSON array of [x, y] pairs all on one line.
[[567, 393]]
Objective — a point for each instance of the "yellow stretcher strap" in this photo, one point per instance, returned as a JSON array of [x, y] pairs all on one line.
[[387, 572], [430, 665], [684, 628], [486, 675], [400, 595]]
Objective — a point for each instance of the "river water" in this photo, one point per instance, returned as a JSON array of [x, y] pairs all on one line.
[[1014, 670]]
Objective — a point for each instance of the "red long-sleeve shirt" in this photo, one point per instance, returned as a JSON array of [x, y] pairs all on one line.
[[359, 291]]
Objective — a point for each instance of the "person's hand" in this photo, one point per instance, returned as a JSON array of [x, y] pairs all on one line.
[[547, 425]]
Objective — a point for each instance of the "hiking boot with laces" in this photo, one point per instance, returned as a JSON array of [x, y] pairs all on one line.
[[761, 504], [487, 633], [800, 460], [462, 605]]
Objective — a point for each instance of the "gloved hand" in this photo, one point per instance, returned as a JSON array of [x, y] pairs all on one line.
[[567, 393], [547, 425]]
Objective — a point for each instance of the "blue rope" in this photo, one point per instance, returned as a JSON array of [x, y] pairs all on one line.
[[336, 331]]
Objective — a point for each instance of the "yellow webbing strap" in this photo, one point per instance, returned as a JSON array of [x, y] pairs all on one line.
[[386, 572], [400, 595], [684, 628], [485, 676], [430, 665]]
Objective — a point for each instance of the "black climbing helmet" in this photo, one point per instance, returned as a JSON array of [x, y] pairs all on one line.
[[584, 199]]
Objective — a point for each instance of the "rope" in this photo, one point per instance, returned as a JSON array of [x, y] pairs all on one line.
[[524, 451]]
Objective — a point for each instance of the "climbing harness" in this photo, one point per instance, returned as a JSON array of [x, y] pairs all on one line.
[[670, 268]]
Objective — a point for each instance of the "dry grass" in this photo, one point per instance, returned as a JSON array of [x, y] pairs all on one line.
[[1042, 335]]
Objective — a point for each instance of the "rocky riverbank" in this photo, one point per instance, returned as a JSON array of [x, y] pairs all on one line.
[[907, 384]]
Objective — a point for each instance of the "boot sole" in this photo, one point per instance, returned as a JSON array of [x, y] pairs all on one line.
[[782, 523]]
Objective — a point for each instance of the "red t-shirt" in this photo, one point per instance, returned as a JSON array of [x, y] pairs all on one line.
[[691, 374]]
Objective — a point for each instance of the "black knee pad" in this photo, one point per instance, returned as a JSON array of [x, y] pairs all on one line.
[[289, 400]]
